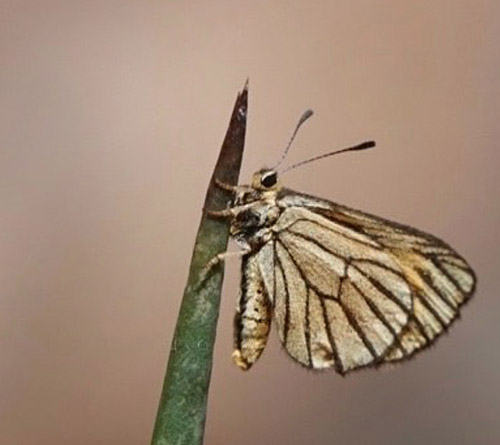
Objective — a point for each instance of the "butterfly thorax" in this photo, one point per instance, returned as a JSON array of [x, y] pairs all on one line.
[[256, 210]]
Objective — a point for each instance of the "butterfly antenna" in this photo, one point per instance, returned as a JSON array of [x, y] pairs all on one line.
[[363, 146], [305, 115]]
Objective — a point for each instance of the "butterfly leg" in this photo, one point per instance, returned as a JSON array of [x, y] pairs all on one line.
[[222, 214], [230, 212], [229, 187], [226, 213], [226, 186], [219, 258]]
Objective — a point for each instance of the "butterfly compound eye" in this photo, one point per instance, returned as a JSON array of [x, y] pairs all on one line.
[[269, 179]]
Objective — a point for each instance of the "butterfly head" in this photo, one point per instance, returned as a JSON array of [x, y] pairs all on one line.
[[266, 180]]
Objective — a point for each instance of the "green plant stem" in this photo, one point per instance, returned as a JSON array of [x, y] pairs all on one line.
[[182, 408]]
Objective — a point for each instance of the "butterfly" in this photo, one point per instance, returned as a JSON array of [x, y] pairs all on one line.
[[345, 289]]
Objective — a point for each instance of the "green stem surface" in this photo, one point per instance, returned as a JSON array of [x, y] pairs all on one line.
[[183, 404]]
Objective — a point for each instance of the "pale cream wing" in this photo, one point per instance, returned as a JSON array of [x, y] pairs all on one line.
[[440, 280], [340, 300]]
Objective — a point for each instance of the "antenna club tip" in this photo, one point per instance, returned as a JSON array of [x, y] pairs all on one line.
[[307, 114], [368, 144]]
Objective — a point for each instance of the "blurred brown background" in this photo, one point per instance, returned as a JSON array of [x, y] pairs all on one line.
[[111, 117]]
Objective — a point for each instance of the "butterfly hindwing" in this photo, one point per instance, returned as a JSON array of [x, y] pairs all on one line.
[[340, 300]]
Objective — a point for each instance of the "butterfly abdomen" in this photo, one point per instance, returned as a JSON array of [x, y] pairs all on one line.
[[252, 320]]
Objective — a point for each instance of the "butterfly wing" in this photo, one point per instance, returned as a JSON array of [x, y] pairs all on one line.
[[354, 290]]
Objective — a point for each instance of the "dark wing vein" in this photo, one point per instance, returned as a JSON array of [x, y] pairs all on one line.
[[308, 329], [286, 323]]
